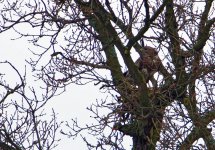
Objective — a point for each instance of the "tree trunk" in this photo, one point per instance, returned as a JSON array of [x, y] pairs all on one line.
[[148, 135]]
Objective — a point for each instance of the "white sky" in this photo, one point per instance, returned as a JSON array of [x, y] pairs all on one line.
[[71, 104]]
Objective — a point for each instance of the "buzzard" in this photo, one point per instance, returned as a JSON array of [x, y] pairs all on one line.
[[148, 63]]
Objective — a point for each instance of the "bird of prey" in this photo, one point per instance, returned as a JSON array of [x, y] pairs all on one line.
[[148, 64]]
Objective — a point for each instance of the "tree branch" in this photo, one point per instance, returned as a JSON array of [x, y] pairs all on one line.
[[141, 32]]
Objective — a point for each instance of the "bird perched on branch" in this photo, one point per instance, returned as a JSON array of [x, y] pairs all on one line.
[[148, 64]]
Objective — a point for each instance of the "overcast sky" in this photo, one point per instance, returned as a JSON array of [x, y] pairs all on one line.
[[71, 104]]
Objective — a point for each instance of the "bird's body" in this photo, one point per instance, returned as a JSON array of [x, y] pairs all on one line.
[[148, 63]]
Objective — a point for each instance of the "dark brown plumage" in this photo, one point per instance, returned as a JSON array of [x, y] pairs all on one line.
[[148, 63]]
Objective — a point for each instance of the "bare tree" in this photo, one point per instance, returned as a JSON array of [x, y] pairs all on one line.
[[91, 41], [22, 119]]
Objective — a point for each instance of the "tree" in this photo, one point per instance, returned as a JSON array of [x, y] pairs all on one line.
[[22, 122], [99, 38]]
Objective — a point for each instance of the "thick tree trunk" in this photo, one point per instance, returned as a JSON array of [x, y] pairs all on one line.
[[140, 143], [149, 135], [145, 132]]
